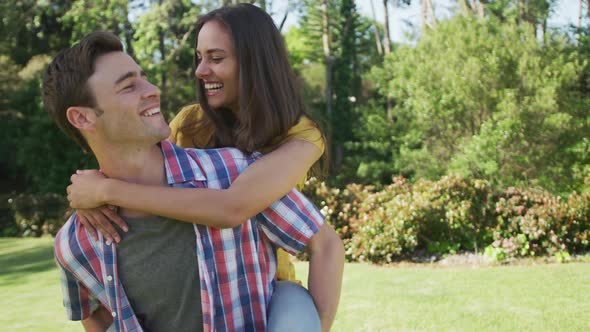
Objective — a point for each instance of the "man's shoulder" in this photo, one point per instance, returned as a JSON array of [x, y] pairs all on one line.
[[222, 159], [69, 228], [72, 242], [217, 157], [204, 164]]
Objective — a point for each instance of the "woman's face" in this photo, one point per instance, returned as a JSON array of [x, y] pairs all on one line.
[[217, 69]]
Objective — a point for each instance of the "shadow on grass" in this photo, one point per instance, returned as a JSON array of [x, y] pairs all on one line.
[[15, 265]]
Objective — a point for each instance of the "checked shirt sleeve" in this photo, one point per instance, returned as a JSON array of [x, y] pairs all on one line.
[[291, 222], [77, 299]]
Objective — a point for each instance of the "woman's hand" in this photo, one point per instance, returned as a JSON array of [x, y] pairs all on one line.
[[84, 192], [84, 195], [101, 219]]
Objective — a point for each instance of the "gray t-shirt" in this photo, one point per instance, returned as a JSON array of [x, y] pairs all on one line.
[[158, 268]]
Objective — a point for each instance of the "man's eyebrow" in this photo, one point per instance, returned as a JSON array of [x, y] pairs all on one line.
[[129, 74]]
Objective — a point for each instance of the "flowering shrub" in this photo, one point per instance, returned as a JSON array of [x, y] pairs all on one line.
[[387, 225], [445, 216], [450, 215], [531, 223], [455, 213], [340, 206]]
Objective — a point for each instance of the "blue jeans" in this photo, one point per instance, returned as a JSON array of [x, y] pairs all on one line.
[[291, 308]]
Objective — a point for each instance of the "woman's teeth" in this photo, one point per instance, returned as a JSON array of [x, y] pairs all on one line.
[[213, 86]]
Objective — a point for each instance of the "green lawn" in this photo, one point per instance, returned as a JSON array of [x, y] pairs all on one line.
[[545, 297]]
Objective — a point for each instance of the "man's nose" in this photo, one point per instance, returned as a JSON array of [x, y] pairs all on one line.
[[151, 90]]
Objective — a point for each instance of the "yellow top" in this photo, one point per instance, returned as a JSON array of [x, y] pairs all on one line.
[[187, 132]]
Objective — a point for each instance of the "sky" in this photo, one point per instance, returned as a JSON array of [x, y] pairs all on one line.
[[401, 19]]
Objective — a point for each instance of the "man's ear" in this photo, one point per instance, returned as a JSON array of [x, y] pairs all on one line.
[[82, 118]]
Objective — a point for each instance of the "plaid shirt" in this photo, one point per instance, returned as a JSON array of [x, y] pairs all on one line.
[[237, 266]]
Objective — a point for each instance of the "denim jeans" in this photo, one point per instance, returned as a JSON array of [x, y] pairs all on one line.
[[291, 308]]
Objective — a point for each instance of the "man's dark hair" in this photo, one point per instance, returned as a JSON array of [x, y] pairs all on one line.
[[65, 83]]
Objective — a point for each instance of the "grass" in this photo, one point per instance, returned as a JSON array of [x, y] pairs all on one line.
[[542, 297], [29, 284]]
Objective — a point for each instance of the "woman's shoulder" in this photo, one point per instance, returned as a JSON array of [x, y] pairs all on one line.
[[192, 112], [188, 128], [307, 130]]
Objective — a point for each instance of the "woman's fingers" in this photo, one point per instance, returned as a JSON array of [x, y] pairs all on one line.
[[87, 224], [101, 223], [110, 212]]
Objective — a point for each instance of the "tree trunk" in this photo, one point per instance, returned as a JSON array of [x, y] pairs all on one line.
[[328, 60], [580, 9], [377, 36], [480, 10], [465, 7], [387, 44], [434, 20], [545, 31], [387, 41], [328, 63], [473, 4], [128, 34], [284, 20], [424, 13], [162, 47], [521, 12], [327, 56]]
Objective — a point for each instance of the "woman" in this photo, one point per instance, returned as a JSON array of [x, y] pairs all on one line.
[[249, 100]]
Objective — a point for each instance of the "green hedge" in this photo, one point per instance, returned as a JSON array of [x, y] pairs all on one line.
[[32, 215], [436, 217], [450, 215]]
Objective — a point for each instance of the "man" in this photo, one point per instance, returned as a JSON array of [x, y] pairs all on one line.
[[100, 97]]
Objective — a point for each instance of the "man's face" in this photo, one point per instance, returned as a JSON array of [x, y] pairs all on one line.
[[131, 104]]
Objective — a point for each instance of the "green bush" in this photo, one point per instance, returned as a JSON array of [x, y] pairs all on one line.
[[532, 223], [454, 213], [450, 215], [34, 215], [387, 225], [7, 224], [438, 217], [340, 206]]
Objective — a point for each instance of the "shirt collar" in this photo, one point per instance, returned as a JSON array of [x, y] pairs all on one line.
[[180, 166]]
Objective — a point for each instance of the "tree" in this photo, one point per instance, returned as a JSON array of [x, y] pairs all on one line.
[[494, 103], [85, 16], [32, 27], [164, 38]]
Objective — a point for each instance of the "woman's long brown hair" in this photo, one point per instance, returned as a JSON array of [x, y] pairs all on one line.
[[269, 99]]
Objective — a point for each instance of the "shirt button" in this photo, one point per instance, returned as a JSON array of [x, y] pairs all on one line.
[[114, 314], [109, 278]]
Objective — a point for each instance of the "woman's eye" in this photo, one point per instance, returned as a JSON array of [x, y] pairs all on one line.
[[216, 60]]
